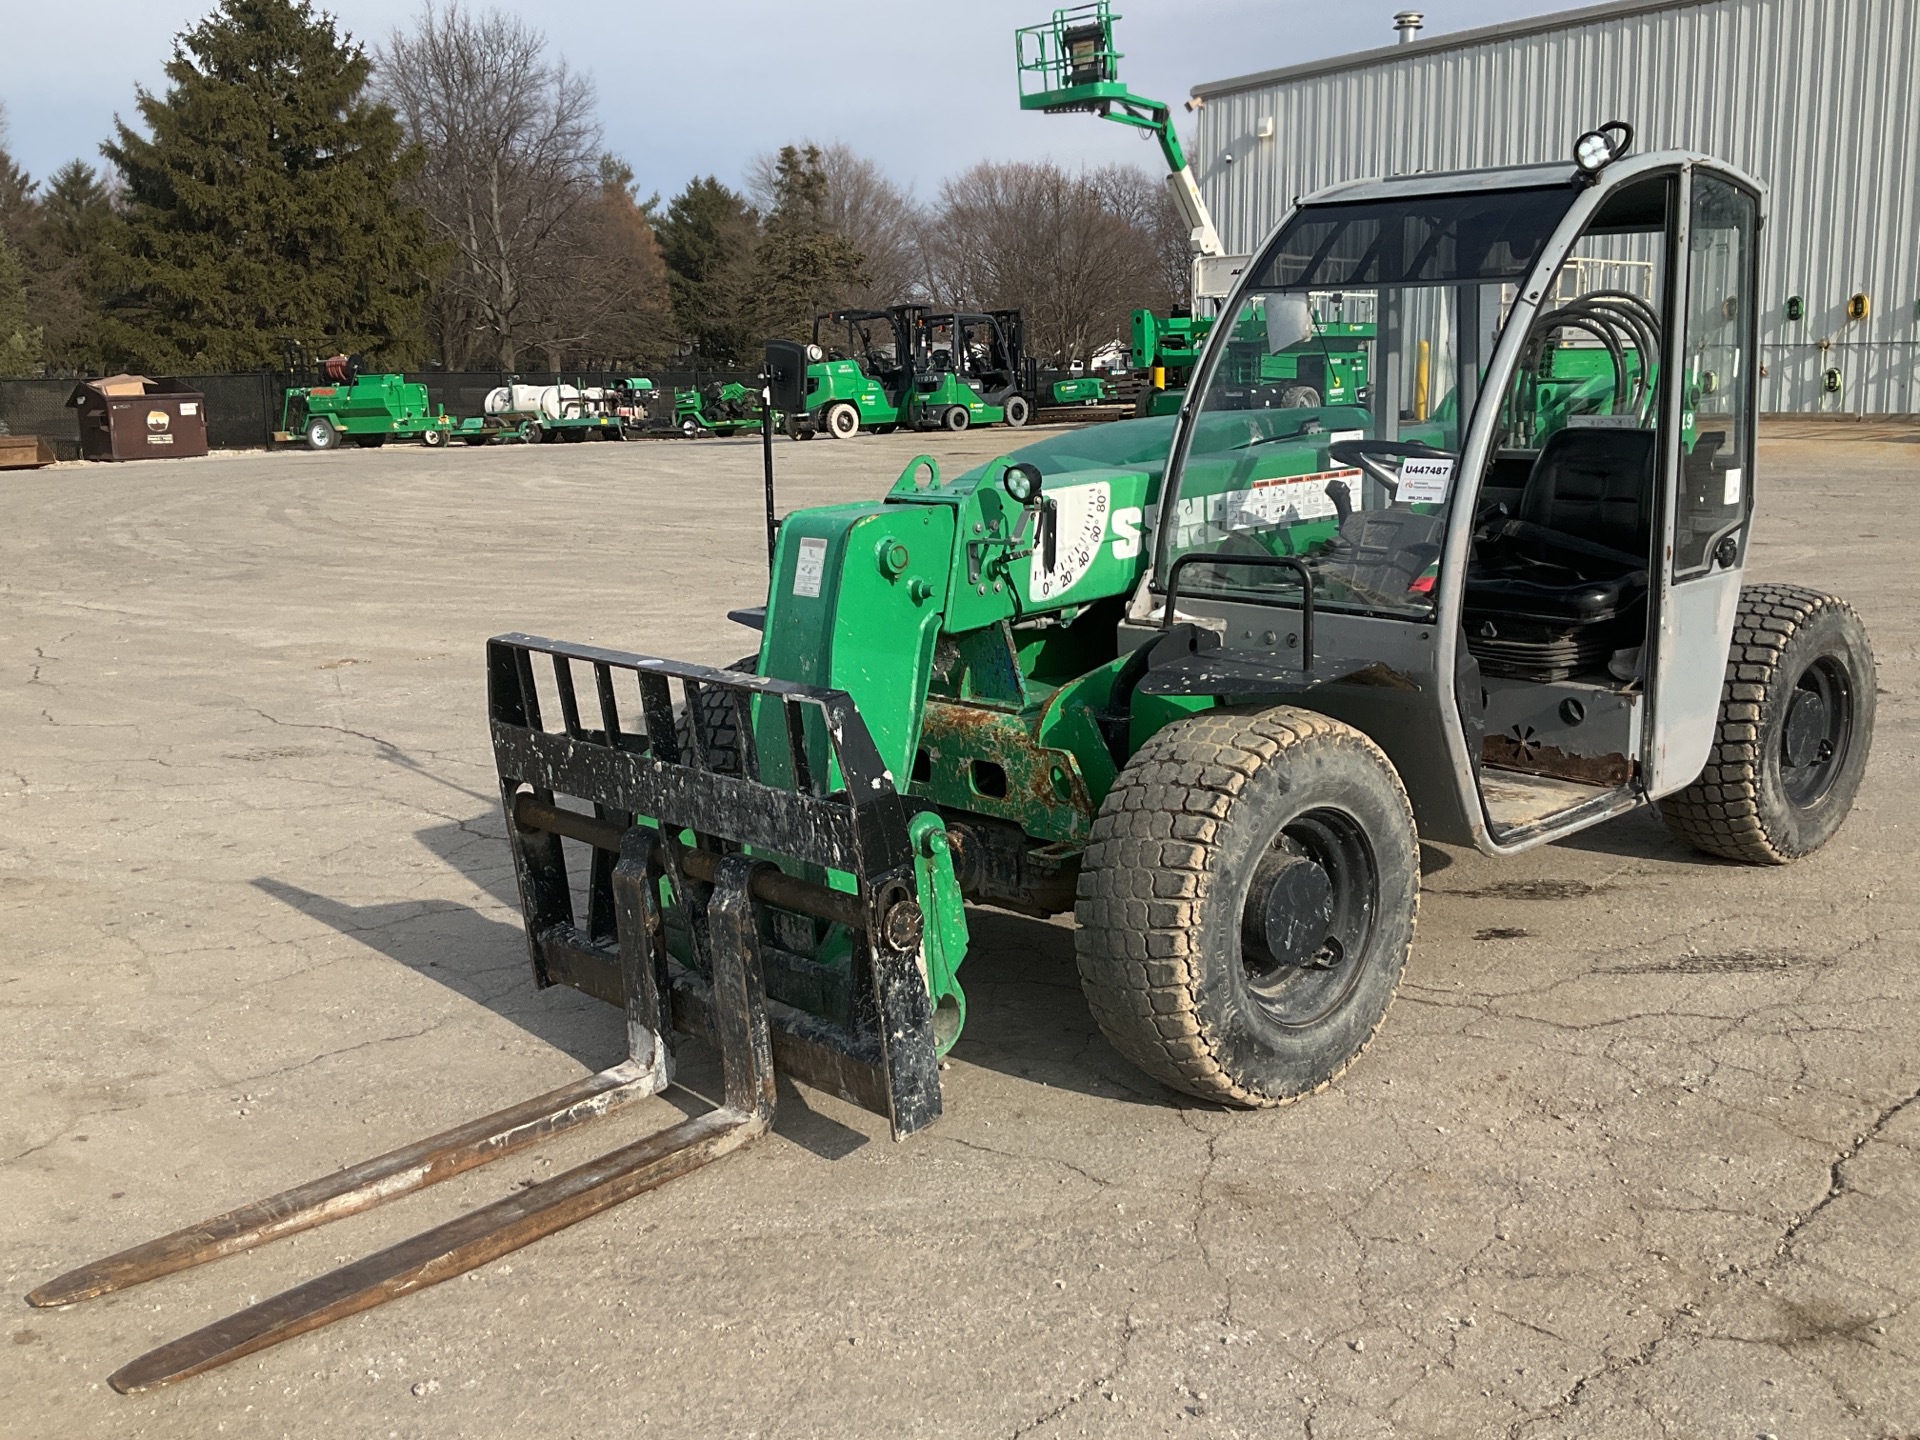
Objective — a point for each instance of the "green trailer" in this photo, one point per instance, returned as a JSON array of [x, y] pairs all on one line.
[[369, 410]]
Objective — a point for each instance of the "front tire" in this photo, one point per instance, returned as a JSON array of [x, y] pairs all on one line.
[[433, 439], [1795, 725], [1018, 411], [1247, 905], [843, 422]]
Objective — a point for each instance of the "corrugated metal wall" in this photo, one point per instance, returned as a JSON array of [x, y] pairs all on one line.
[[1820, 98]]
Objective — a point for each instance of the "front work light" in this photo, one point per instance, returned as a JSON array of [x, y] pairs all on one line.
[[1022, 482], [1597, 149]]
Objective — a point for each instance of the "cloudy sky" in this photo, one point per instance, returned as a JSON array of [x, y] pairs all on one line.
[[689, 89]]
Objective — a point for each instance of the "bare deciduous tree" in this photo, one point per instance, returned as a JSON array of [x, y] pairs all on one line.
[[513, 151], [1051, 242], [1146, 202]]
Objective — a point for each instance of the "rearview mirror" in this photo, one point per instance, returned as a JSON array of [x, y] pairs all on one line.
[[1289, 322]]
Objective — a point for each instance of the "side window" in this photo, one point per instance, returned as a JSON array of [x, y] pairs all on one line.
[[1716, 405]]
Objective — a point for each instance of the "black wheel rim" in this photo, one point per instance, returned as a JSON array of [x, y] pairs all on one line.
[[1319, 875], [1816, 731]]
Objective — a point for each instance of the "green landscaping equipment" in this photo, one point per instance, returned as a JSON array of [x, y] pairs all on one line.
[[1208, 683], [344, 404], [728, 408]]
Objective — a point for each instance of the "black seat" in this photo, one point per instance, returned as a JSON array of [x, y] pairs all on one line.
[[1561, 587]]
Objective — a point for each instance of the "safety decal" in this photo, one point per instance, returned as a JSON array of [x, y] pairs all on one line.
[[809, 567], [1289, 499]]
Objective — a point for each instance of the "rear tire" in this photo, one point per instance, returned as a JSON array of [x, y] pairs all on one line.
[[1795, 726], [1299, 397], [1018, 411], [842, 422], [1247, 905], [321, 435], [433, 439], [956, 419]]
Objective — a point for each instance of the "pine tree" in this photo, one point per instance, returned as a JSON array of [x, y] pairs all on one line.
[[19, 340], [264, 204], [707, 238], [77, 241], [804, 265]]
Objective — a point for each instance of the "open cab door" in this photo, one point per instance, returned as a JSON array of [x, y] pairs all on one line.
[[1708, 480]]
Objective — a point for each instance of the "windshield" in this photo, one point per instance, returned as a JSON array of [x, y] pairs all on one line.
[[1334, 396]]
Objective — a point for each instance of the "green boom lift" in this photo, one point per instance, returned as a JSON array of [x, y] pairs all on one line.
[[1070, 64], [1206, 682]]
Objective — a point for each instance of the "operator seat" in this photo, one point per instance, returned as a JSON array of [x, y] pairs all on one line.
[[1556, 591]]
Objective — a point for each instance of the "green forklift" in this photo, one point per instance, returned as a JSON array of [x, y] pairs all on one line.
[[968, 370], [1205, 683], [913, 366], [860, 371]]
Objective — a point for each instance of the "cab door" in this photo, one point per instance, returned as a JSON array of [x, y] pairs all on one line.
[[1708, 480]]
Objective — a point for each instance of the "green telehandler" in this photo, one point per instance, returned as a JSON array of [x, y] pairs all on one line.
[[1206, 682]]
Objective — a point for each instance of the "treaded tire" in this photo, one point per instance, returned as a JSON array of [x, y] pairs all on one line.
[[1018, 411], [956, 418], [842, 421], [719, 724], [1163, 893], [1740, 806]]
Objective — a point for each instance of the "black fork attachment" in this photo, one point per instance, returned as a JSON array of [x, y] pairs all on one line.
[[648, 889]]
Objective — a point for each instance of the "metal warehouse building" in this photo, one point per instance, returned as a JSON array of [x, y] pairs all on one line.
[[1820, 98]]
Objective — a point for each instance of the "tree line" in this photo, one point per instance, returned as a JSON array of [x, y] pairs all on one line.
[[446, 199]]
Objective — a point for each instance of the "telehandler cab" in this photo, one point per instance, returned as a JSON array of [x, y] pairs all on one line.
[[1206, 681]]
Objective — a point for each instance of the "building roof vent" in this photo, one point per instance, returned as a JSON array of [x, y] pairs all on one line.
[[1408, 23]]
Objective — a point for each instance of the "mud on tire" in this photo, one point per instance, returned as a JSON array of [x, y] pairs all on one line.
[[1795, 725], [1175, 962]]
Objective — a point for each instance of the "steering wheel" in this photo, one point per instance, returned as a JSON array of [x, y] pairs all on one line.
[[1364, 454]]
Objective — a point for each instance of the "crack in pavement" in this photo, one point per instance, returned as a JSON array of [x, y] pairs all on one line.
[[1129, 1329], [1836, 1171]]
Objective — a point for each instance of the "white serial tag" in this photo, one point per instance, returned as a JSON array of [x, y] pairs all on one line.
[[809, 567], [1425, 482]]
